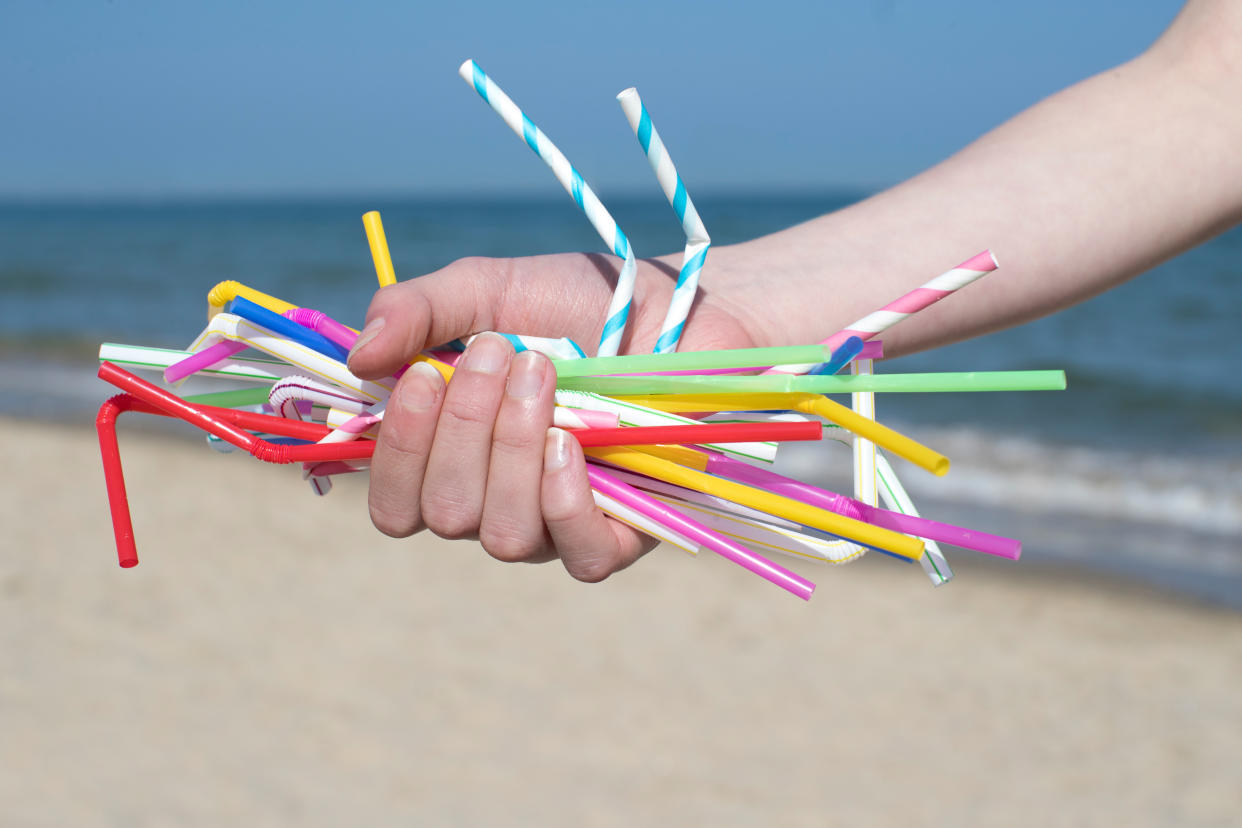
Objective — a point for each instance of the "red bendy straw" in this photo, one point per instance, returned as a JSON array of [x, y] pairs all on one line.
[[228, 424], [114, 477]]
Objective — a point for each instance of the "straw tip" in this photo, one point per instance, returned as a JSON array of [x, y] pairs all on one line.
[[981, 261], [466, 70], [626, 94]]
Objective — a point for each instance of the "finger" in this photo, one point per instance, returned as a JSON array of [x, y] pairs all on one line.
[[512, 527], [457, 468], [591, 546], [406, 318], [401, 451]]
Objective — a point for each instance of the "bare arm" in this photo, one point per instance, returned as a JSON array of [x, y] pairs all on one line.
[[1075, 195]]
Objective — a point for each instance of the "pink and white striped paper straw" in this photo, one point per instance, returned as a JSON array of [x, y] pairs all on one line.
[[886, 317]]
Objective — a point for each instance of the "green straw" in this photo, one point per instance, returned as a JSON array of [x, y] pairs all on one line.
[[769, 383], [231, 399], [693, 360]]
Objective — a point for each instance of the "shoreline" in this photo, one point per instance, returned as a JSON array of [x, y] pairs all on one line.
[[1075, 542]]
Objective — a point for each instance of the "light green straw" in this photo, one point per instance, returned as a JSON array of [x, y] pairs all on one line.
[[693, 360], [231, 399], [777, 383]]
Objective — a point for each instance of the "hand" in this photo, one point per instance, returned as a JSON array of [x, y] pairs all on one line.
[[477, 458]]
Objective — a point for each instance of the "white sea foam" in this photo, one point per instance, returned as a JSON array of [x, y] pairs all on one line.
[[1203, 494]]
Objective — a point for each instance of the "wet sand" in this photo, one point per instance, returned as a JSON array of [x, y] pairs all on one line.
[[274, 660]]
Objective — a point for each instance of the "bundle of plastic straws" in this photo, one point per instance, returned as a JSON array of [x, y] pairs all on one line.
[[679, 444]]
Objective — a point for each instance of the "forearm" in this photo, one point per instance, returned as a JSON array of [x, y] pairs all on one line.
[[1082, 191]]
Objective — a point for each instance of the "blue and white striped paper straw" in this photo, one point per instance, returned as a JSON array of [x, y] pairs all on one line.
[[571, 180], [697, 240], [563, 348]]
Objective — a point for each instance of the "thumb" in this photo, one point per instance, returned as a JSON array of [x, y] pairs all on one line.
[[406, 318]]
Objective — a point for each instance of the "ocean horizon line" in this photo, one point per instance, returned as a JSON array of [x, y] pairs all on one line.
[[487, 196]]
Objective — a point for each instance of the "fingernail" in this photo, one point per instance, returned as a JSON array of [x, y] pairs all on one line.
[[420, 387], [556, 450], [368, 333], [487, 353], [526, 375]]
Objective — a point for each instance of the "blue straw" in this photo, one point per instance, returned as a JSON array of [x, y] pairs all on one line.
[[287, 328], [841, 357]]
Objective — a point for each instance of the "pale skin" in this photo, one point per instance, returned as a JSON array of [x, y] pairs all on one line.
[[1075, 195]]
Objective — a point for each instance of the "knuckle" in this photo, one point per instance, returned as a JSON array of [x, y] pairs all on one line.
[[591, 568], [525, 442], [559, 511], [474, 264], [400, 446], [509, 545], [489, 280], [394, 523], [449, 515], [470, 412], [484, 267]]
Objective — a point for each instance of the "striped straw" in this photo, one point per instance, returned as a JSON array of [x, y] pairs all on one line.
[[897, 310], [697, 240], [562, 348], [572, 181]]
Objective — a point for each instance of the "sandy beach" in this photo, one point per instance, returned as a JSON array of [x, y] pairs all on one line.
[[274, 660]]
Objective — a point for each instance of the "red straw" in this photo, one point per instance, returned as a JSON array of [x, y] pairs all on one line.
[[114, 477], [228, 424]]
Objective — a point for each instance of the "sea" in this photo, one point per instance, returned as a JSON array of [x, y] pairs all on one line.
[[1134, 472]]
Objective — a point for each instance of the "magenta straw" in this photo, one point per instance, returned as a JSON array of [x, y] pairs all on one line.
[[640, 502], [322, 324], [326, 326], [872, 349], [849, 507], [202, 360]]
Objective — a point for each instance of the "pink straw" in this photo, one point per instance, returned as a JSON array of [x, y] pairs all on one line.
[[872, 349], [989, 544], [881, 320], [946, 283], [640, 502], [322, 324], [202, 360]]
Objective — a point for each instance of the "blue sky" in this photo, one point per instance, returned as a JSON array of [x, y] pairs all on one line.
[[162, 99]]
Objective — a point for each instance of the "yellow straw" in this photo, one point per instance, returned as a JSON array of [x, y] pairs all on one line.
[[379, 248], [737, 401], [681, 455], [446, 370], [773, 504], [896, 442], [816, 404], [227, 291]]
